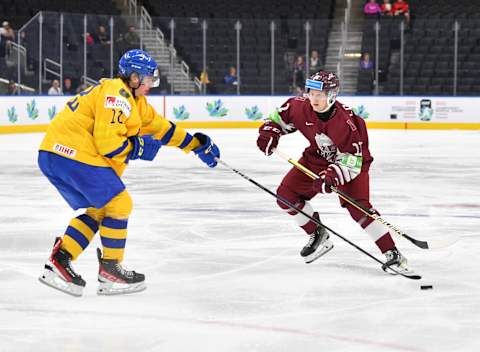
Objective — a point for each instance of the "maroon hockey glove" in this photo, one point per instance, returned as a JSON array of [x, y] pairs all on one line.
[[328, 178], [270, 133]]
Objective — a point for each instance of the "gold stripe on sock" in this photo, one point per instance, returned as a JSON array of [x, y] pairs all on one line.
[[118, 234], [71, 246], [113, 253], [83, 228]]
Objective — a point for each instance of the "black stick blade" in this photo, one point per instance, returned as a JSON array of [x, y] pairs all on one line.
[[418, 243]]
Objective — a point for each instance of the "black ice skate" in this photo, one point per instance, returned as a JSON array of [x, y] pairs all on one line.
[[59, 272], [115, 280], [318, 245], [397, 261]]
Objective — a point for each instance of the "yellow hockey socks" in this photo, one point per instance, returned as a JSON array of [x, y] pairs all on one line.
[[113, 233], [78, 235]]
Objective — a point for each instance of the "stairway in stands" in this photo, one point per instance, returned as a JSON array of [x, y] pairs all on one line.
[[352, 49]]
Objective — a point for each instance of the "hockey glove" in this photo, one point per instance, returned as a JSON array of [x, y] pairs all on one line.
[[144, 147], [270, 133], [208, 151], [328, 178]]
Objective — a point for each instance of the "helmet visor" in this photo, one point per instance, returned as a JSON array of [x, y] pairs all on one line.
[[151, 81]]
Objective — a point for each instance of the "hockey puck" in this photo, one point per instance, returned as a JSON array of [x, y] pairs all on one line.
[[426, 287]]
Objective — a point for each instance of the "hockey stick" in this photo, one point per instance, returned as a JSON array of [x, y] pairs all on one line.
[[368, 212], [287, 203]]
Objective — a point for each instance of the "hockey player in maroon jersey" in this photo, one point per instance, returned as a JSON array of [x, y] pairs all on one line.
[[338, 153]]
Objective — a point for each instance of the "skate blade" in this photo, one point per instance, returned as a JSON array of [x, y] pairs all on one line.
[[327, 247], [115, 288], [52, 280], [400, 270]]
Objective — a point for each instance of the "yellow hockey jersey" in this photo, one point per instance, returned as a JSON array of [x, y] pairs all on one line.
[[94, 126]]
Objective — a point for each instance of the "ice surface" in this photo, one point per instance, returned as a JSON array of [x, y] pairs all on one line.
[[222, 261]]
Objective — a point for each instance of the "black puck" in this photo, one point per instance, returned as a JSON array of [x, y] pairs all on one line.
[[426, 287]]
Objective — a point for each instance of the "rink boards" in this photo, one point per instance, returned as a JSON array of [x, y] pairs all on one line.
[[33, 113]]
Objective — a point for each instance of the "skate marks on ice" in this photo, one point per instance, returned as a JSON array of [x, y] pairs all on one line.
[[223, 264]]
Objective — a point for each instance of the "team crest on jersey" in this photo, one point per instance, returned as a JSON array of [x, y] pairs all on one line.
[[113, 102], [326, 147], [124, 93]]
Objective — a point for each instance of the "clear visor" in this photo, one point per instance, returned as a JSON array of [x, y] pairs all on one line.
[[329, 96], [315, 93], [151, 81]]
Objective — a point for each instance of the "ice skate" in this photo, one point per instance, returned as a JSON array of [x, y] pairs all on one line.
[[116, 280], [318, 245], [59, 272], [397, 261]]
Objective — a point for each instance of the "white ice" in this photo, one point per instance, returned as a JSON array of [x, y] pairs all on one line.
[[222, 261]]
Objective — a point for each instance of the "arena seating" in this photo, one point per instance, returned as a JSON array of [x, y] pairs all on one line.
[[429, 49], [19, 12], [255, 17]]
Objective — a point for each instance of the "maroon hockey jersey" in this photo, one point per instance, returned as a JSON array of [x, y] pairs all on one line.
[[342, 135]]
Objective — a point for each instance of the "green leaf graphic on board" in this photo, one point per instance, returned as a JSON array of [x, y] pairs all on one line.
[[181, 113], [12, 114], [216, 109], [52, 112], [253, 113], [361, 111], [32, 110]]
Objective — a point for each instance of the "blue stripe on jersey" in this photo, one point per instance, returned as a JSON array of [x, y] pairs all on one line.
[[90, 222], [115, 223], [113, 243], [77, 236], [118, 150], [186, 141], [166, 138], [314, 84]]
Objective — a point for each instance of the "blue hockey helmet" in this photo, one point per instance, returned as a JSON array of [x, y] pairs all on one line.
[[139, 62]]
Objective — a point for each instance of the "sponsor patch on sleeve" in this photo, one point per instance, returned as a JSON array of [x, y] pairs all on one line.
[[114, 102]]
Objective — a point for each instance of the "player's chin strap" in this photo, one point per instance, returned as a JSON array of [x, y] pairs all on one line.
[[368, 212]]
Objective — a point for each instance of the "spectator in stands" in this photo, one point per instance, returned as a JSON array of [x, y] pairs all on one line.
[[288, 59], [55, 88], [205, 80], [386, 8], [12, 88], [131, 38], [102, 36], [3, 30], [365, 62], [371, 8], [315, 63], [3, 53], [7, 31], [400, 8], [6, 36], [231, 78], [298, 73], [67, 87], [89, 37]]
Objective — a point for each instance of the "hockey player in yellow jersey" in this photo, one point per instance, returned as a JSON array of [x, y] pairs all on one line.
[[86, 148]]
